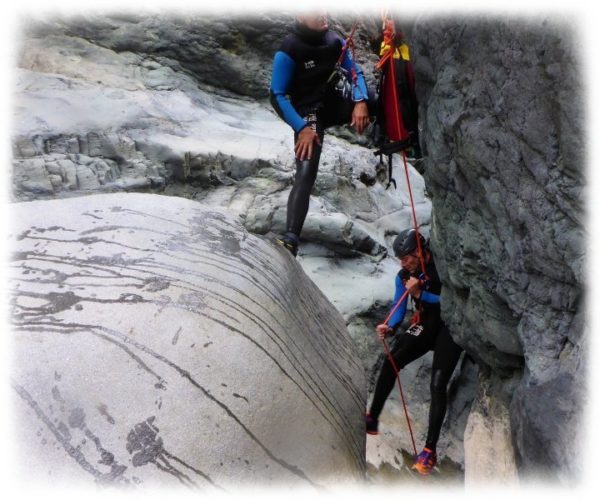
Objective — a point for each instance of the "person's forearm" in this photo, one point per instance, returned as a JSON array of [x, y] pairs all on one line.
[[398, 316], [430, 298]]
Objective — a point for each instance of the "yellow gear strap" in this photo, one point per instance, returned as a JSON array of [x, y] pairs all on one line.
[[401, 51]]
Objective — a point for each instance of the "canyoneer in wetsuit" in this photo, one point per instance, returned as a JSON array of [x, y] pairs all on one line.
[[427, 333], [304, 96]]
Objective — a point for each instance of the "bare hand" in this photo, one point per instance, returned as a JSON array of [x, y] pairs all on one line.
[[360, 117], [413, 285], [383, 330], [304, 144]]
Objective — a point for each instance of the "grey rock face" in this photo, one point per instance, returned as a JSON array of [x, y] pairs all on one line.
[[503, 114], [489, 452], [232, 54], [161, 104], [157, 342]]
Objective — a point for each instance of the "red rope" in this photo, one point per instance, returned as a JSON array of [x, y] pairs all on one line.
[[388, 57], [402, 299], [389, 35], [388, 41], [397, 371], [391, 358], [349, 43], [414, 214]]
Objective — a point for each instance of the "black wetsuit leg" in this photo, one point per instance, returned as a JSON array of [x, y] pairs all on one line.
[[445, 357], [335, 111], [407, 349], [306, 173]]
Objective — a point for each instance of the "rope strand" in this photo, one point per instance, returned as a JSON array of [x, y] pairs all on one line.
[[387, 57], [391, 358]]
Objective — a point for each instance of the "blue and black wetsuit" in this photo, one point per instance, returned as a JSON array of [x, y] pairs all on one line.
[[407, 348], [301, 96]]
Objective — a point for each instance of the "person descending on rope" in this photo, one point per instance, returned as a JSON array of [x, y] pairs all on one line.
[[302, 70], [427, 332]]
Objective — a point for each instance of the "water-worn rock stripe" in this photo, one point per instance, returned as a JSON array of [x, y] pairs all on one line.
[[60, 302], [312, 384], [121, 282]]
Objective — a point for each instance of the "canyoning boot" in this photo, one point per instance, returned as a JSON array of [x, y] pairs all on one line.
[[372, 424], [289, 241], [425, 462]]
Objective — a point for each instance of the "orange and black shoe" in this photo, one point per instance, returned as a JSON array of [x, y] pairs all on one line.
[[425, 462], [290, 241], [372, 424]]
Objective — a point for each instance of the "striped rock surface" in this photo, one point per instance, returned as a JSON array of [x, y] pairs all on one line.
[[157, 342]]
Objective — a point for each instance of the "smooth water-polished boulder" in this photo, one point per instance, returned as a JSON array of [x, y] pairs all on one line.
[[157, 342]]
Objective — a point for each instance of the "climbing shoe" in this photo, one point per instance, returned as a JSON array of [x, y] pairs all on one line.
[[289, 241], [372, 424], [425, 462]]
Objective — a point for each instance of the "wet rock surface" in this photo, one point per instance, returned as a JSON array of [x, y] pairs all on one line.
[[119, 103], [157, 342], [505, 150]]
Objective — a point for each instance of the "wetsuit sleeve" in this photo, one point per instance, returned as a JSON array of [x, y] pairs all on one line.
[[283, 72], [359, 93], [398, 316], [430, 298]]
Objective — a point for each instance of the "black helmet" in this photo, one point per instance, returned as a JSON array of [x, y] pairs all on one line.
[[406, 242]]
